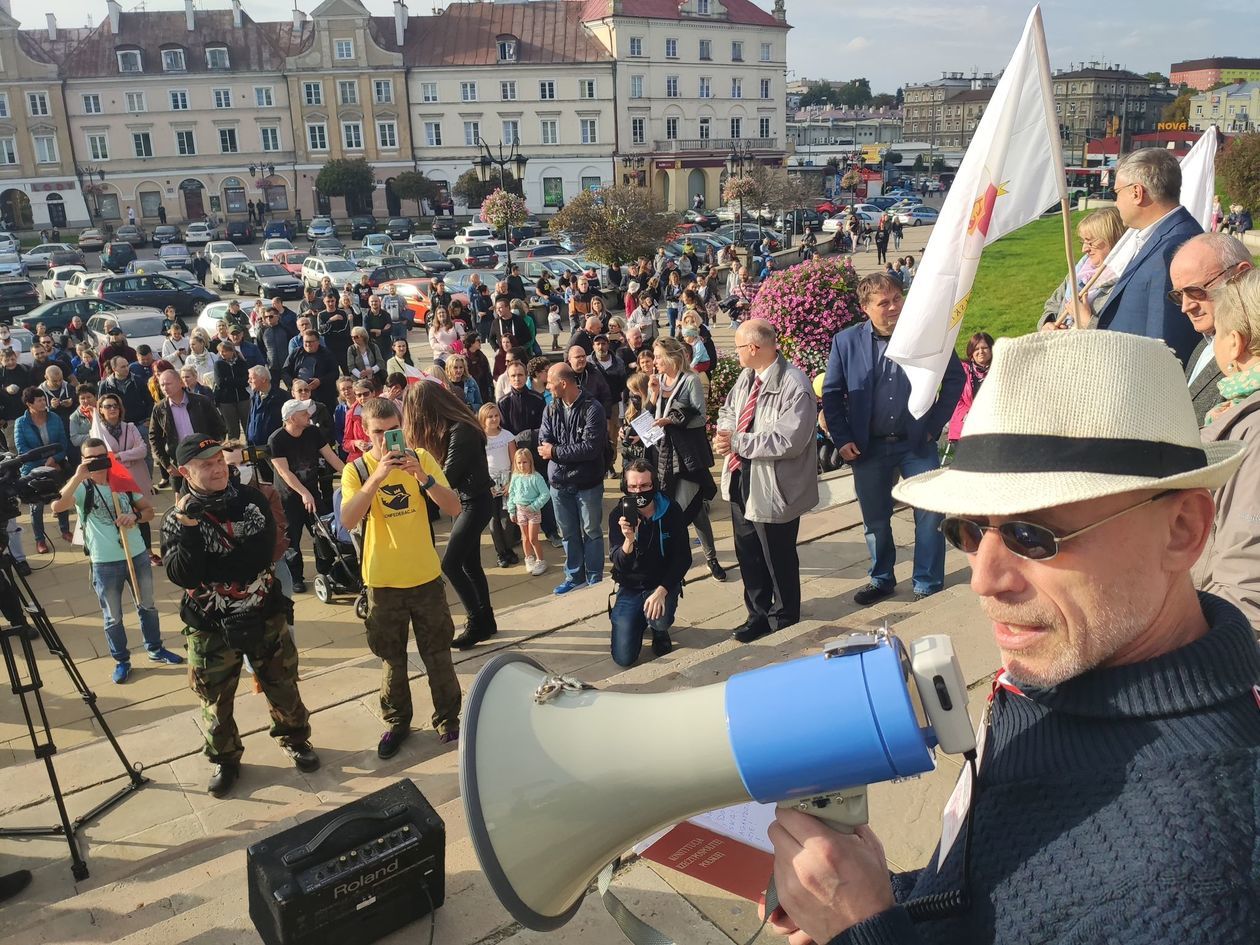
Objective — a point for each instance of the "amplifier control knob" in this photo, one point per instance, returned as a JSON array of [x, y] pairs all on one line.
[[380, 841], [342, 859], [354, 853], [406, 830]]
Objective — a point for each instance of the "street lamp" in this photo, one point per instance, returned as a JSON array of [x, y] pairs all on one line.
[[90, 171], [741, 156], [634, 162], [485, 164]]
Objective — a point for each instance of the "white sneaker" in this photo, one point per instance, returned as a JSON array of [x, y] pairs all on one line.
[[539, 567], [529, 564]]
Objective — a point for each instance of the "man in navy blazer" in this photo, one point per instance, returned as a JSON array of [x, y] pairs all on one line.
[[866, 399], [1148, 194]]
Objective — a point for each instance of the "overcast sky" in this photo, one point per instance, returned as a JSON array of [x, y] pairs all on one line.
[[912, 40]]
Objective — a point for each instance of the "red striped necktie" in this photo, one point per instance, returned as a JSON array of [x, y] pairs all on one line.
[[745, 422]]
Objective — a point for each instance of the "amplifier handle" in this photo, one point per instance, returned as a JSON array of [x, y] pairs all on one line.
[[312, 847]]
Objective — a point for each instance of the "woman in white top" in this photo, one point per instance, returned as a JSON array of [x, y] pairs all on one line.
[[200, 358], [500, 452], [443, 334], [175, 347]]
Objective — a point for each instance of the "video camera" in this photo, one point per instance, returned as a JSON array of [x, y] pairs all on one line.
[[41, 485]]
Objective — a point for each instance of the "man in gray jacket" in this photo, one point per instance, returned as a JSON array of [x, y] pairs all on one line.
[[766, 432]]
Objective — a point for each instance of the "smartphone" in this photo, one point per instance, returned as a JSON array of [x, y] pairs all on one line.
[[98, 463], [394, 441]]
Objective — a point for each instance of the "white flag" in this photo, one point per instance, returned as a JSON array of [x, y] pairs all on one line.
[[1012, 172], [1198, 187]]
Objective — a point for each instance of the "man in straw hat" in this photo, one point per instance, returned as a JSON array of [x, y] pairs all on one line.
[[1116, 795]]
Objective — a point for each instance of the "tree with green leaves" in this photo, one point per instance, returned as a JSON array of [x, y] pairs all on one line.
[[470, 189], [818, 93], [616, 224], [1156, 78], [884, 100], [1238, 167], [412, 185], [1178, 109], [855, 93], [892, 157], [353, 179], [919, 163]]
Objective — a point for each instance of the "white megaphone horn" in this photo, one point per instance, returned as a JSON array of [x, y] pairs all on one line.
[[559, 779]]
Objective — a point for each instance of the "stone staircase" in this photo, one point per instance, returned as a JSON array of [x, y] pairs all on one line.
[[168, 864]]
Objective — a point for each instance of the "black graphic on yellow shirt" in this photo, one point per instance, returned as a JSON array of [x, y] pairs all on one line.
[[395, 497]]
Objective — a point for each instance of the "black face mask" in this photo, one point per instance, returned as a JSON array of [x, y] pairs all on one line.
[[641, 499]]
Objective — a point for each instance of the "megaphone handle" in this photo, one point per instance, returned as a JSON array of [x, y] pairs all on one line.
[[842, 810]]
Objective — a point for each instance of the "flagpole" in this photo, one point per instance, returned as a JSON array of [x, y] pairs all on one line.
[[122, 537]]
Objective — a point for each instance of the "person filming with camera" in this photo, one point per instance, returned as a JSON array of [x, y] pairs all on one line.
[[218, 543], [648, 565]]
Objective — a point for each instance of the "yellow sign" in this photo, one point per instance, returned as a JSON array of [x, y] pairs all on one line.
[[871, 153], [1172, 126]]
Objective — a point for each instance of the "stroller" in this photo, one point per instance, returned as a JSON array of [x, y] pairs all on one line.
[[337, 571]]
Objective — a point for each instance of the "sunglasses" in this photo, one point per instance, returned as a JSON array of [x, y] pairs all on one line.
[[1199, 293], [1026, 539]]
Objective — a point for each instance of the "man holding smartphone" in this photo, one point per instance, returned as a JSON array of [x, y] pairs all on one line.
[[111, 537], [383, 495]]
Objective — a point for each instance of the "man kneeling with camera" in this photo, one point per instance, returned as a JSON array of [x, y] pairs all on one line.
[[218, 544], [648, 565]]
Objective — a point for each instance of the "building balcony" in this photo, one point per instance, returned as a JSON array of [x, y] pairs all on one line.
[[713, 145]]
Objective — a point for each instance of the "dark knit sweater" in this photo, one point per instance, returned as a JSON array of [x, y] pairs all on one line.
[[1119, 807]]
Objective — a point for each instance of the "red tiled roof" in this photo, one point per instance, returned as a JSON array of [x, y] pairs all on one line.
[[743, 12], [466, 34]]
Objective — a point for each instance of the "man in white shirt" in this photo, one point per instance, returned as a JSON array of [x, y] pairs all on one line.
[[1201, 269]]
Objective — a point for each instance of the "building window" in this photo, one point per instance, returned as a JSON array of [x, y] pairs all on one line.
[[586, 88], [92, 104], [765, 88], [671, 49], [179, 101], [343, 49], [706, 87], [737, 51], [142, 144], [592, 183], [4, 104], [553, 191], [98, 147], [383, 91], [135, 102], [636, 45], [217, 58], [671, 129], [547, 90], [737, 127], [590, 130], [45, 149], [507, 50], [507, 90], [227, 141], [270, 138], [511, 131], [263, 97], [636, 86], [763, 127], [702, 7], [671, 86], [222, 98], [37, 103], [387, 135], [549, 131], [129, 60], [313, 93], [185, 142], [433, 134], [428, 92], [737, 88], [173, 60], [8, 150], [348, 92], [352, 135], [472, 133], [766, 52], [706, 49], [468, 91], [704, 129], [317, 136], [638, 131]]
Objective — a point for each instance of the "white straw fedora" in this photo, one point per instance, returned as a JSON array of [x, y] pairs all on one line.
[[1068, 416]]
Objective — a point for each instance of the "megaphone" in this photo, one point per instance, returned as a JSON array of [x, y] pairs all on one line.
[[559, 778]]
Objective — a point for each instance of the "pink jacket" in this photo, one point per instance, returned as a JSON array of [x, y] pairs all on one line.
[[964, 402]]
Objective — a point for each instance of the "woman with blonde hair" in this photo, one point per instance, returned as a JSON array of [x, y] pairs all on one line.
[[200, 358], [1230, 565], [1099, 232], [461, 383], [444, 334]]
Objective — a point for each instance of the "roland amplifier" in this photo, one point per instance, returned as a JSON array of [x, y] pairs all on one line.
[[352, 875]]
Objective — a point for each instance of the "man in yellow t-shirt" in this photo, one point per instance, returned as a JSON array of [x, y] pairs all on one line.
[[402, 572]]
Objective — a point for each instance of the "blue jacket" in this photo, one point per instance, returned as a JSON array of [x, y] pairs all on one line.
[[848, 392], [578, 443], [1139, 302], [264, 415], [27, 436]]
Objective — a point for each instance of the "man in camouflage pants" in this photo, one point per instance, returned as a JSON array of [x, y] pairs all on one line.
[[220, 550]]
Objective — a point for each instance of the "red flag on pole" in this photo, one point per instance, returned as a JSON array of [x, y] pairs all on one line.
[[120, 480]]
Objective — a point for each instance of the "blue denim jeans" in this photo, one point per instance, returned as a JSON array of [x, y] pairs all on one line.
[[108, 579], [580, 515], [37, 521], [874, 474], [629, 622]]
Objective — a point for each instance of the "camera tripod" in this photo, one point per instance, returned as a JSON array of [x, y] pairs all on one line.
[[25, 621]]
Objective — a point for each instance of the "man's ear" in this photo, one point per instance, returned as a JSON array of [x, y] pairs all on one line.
[[1191, 514]]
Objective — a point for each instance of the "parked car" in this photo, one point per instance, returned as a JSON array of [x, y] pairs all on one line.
[[9, 243], [546, 249], [134, 234], [445, 228], [56, 315], [157, 291], [475, 256], [884, 201], [214, 247], [799, 221], [175, 256], [361, 226], [705, 218], [17, 297], [199, 233], [41, 256], [382, 274], [267, 280], [473, 233], [240, 232], [751, 235], [141, 323], [273, 245], [91, 239], [422, 238], [211, 315], [320, 226], [398, 228], [917, 216], [83, 284], [280, 229], [378, 242], [339, 270], [290, 259], [534, 241], [223, 266], [364, 259], [431, 261], [166, 233], [116, 254], [54, 284], [415, 295], [11, 265]]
